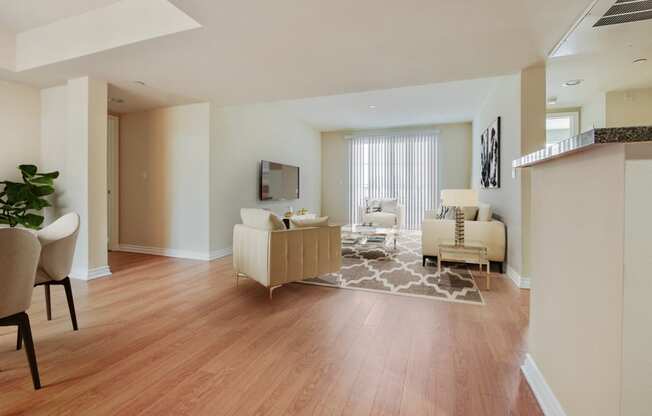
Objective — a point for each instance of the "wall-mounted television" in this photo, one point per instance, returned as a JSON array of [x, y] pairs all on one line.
[[278, 182]]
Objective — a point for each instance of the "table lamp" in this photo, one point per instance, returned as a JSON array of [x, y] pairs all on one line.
[[458, 199]]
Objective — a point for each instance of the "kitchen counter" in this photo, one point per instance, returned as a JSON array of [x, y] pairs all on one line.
[[585, 141]]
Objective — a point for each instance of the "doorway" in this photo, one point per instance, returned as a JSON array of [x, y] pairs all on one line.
[[113, 181]]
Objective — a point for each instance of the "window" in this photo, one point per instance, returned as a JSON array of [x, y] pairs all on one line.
[[401, 166], [561, 126]]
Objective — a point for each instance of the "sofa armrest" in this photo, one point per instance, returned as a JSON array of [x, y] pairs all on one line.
[[251, 252]]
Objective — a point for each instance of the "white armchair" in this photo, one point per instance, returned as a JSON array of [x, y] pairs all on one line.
[[273, 256], [384, 219]]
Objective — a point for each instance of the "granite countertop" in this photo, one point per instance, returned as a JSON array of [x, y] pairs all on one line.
[[585, 141]]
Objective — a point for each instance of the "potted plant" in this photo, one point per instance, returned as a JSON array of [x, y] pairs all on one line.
[[20, 203]]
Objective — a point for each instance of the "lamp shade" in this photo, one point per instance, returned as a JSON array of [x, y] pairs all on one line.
[[459, 198]]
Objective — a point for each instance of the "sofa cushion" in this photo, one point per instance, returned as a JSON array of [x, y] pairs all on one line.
[[309, 222], [484, 212], [261, 219]]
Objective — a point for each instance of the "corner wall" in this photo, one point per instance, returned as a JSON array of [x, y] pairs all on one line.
[[164, 181], [20, 118], [242, 136], [503, 101], [73, 141]]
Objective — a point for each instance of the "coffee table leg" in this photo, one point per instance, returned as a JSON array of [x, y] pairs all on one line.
[[486, 265]]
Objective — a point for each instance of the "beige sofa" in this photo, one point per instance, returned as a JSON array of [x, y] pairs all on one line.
[[273, 256], [491, 233]]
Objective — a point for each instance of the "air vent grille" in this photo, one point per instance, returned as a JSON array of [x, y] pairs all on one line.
[[625, 11]]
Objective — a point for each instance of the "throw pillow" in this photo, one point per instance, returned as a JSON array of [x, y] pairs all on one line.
[[445, 213], [484, 212], [277, 223], [309, 222], [389, 205], [470, 213]]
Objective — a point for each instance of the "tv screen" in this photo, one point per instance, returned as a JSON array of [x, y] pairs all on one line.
[[278, 182]]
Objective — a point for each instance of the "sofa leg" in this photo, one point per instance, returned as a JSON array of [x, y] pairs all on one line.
[[423, 262], [271, 290]]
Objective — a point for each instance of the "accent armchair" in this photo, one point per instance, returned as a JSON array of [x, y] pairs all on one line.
[[273, 255], [58, 249], [19, 254]]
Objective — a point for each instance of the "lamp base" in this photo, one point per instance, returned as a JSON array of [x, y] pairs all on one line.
[[459, 226]]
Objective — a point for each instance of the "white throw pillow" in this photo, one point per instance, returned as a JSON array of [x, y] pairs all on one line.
[[389, 205], [470, 213], [261, 219], [309, 222], [484, 212]]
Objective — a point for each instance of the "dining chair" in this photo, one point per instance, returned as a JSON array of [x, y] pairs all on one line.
[[19, 257], [57, 251]]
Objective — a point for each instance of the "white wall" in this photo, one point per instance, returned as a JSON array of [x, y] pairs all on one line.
[[73, 130], [629, 108], [503, 101], [242, 136], [453, 158], [164, 180], [576, 301], [20, 118], [594, 113]]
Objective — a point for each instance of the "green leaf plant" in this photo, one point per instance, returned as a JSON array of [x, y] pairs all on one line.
[[20, 203]]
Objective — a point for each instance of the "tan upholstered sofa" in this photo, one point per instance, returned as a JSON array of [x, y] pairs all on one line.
[[491, 233], [273, 256]]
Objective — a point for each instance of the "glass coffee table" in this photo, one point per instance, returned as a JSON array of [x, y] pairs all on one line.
[[471, 252], [370, 236]]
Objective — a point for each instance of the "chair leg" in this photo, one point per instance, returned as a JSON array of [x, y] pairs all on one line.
[[71, 302], [26, 332], [19, 340], [48, 304]]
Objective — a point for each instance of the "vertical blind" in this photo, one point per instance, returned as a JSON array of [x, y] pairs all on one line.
[[402, 166]]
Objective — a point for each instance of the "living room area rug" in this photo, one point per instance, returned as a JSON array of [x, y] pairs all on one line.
[[400, 272]]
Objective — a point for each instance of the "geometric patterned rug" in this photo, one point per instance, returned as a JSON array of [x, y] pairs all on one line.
[[400, 272]]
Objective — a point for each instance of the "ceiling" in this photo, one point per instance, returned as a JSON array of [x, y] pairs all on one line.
[[21, 15], [441, 103], [258, 50], [602, 58]]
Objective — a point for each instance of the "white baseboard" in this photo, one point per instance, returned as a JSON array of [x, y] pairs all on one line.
[[542, 391], [519, 281], [171, 252], [223, 252], [90, 274]]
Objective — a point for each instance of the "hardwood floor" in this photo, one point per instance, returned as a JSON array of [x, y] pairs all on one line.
[[170, 336]]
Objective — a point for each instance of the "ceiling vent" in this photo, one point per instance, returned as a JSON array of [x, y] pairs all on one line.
[[625, 11]]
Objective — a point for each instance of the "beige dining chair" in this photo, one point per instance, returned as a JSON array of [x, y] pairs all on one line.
[[57, 251], [19, 256]]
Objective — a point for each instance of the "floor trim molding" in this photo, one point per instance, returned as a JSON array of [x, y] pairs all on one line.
[[550, 406], [171, 252], [90, 274], [519, 281]]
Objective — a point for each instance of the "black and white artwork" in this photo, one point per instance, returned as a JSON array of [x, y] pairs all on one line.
[[490, 156]]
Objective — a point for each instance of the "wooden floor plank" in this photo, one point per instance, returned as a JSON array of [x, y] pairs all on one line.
[[170, 336]]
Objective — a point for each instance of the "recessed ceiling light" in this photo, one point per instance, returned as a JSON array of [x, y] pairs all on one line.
[[572, 83], [371, 107], [639, 61], [552, 100]]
